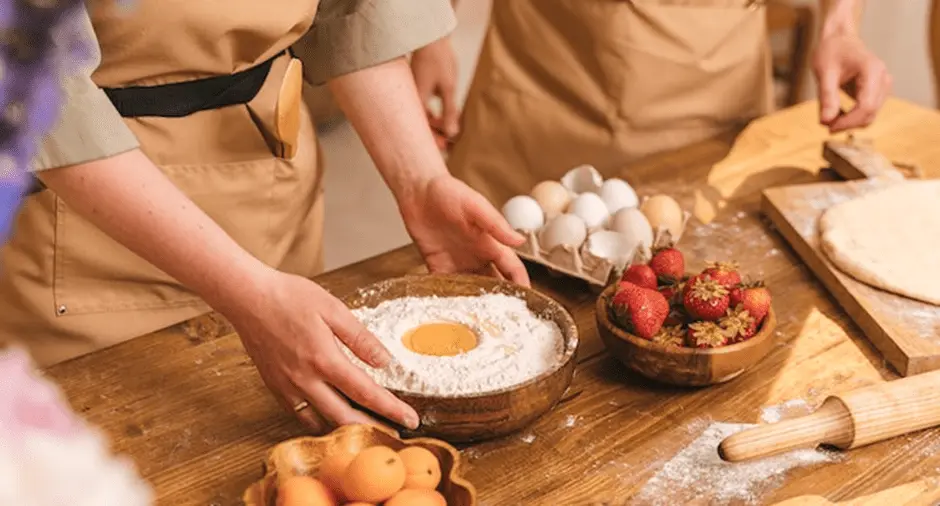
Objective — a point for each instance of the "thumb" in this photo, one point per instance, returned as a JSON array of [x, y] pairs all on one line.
[[829, 104]]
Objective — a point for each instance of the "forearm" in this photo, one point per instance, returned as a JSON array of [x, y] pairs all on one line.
[[382, 104], [840, 16], [129, 199]]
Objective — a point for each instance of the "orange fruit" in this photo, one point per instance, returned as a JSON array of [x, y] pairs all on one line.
[[422, 469], [375, 474], [417, 497], [304, 491]]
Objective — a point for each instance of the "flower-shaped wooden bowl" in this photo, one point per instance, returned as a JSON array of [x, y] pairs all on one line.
[[302, 456], [477, 417], [681, 366]]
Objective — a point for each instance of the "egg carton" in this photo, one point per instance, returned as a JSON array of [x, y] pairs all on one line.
[[584, 261]]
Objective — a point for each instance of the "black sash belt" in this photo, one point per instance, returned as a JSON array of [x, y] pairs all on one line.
[[177, 100]]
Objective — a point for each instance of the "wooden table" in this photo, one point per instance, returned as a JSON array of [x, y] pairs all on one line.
[[191, 411]]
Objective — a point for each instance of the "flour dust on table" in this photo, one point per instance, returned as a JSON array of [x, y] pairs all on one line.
[[697, 475], [512, 344]]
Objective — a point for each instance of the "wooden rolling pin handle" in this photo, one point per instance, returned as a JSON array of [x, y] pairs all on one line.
[[830, 424]]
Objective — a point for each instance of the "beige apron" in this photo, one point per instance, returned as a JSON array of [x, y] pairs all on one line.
[[565, 82], [67, 289]]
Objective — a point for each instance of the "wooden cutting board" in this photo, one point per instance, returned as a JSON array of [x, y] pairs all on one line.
[[907, 332], [920, 493]]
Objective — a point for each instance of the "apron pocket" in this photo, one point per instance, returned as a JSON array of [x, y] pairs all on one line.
[[95, 274], [693, 64]]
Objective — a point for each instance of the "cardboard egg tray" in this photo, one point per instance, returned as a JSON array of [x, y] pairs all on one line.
[[579, 262]]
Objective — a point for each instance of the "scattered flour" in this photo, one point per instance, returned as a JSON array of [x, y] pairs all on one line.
[[514, 344], [697, 473], [570, 421], [788, 409]]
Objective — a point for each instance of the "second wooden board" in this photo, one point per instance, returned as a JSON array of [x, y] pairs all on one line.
[[907, 332]]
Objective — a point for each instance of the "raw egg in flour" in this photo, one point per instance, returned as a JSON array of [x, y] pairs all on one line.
[[440, 339], [617, 194], [663, 211], [523, 213], [304, 491], [564, 230], [552, 197], [375, 475]]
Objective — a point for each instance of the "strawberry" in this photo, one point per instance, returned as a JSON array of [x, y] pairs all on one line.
[[639, 309], [668, 264], [738, 324], [640, 275], [755, 299], [725, 273], [670, 336], [706, 335], [672, 290], [705, 299]]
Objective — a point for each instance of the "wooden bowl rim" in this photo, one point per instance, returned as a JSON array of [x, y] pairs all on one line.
[[766, 332], [571, 342], [334, 435]]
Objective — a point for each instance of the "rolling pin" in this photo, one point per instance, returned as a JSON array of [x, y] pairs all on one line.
[[846, 421]]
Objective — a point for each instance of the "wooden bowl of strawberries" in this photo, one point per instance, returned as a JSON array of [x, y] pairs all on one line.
[[686, 329]]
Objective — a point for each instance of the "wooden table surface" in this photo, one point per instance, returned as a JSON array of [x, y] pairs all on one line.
[[189, 408]]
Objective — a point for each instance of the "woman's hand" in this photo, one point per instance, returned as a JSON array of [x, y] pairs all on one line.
[[435, 71], [458, 230], [292, 333], [841, 61]]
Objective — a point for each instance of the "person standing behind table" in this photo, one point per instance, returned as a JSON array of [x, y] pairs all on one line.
[[172, 188], [560, 83]]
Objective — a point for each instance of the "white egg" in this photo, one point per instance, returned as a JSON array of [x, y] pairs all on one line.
[[582, 179], [590, 208], [617, 194], [563, 230], [613, 246], [633, 224], [552, 197], [523, 213]]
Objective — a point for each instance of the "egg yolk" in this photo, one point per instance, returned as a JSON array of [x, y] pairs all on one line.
[[442, 339]]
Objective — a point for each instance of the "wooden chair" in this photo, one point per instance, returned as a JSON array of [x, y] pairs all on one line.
[[791, 66]]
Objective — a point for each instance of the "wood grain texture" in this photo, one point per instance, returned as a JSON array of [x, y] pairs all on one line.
[[479, 417], [919, 493], [906, 331], [188, 407], [687, 367]]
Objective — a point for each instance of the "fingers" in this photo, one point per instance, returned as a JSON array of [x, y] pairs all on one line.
[[359, 387], [482, 214], [332, 406], [827, 78], [450, 116], [355, 335], [511, 267], [873, 87]]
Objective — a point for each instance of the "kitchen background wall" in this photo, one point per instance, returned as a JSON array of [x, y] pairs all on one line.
[[362, 218]]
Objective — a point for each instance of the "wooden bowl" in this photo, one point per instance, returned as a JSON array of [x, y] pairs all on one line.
[[302, 456], [682, 366], [477, 417]]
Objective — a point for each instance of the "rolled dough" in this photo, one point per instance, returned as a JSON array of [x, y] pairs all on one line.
[[889, 239]]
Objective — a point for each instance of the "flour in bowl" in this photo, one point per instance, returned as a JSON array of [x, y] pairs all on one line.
[[513, 344]]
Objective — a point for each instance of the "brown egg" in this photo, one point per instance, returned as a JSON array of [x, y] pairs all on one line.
[[422, 469], [375, 474], [334, 467], [417, 497], [304, 491], [663, 212]]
